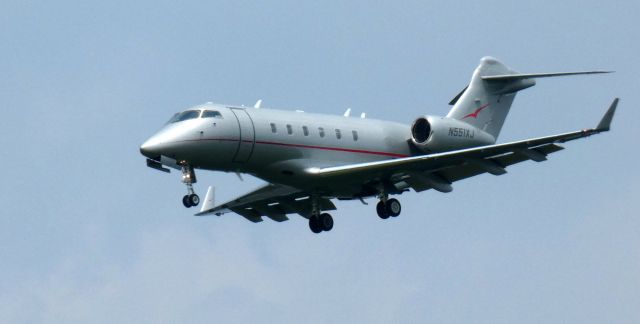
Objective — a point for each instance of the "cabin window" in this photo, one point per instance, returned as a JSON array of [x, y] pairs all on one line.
[[305, 130], [321, 131], [211, 114], [289, 129], [273, 128], [338, 134], [355, 135]]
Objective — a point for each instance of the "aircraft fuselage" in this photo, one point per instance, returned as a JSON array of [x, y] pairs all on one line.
[[277, 145]]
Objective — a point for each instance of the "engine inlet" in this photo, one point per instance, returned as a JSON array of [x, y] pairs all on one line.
[[420, 130]]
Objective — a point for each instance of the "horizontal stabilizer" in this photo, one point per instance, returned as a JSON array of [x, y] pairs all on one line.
[[513, 77]]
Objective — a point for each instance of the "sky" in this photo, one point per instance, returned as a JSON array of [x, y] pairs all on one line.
[[88, 233]]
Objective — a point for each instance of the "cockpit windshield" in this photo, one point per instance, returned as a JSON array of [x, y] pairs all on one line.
[[193, 114], [188, 114]]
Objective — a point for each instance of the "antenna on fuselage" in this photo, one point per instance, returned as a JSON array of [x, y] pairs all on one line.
[[363, 115], [348, 112], [258, 104]]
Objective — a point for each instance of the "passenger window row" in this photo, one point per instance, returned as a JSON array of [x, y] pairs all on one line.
[[305, 131]]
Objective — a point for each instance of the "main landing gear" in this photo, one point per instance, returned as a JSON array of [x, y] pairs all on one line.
[[388, 207], [189, 178], [319, 222]]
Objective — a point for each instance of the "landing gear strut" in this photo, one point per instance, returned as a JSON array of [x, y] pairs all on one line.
[[388, 207], [189, 178], [319, 222]]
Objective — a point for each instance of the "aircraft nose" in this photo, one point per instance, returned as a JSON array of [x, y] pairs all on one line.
[[167, 142], [150, 148]]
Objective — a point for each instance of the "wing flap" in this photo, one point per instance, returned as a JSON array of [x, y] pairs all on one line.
[[505, 160], [426, 180], [273, 211], [419, 182], [250, 214]]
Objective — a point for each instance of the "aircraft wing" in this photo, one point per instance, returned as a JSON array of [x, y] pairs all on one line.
[[434, 171], [439, 170], [272, 200]]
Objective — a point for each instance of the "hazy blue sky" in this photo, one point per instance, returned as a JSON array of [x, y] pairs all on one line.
[[89, 234]]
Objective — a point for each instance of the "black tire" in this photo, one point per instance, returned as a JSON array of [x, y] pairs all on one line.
[[186, 202], [393, 207], [314, 224], [194, 200], [326, 222], [382, 210]]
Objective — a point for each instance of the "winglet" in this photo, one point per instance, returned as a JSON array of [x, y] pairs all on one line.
[[605, 123], [209, 200]]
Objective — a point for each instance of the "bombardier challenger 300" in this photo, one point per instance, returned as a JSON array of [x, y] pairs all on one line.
[[309, 159]]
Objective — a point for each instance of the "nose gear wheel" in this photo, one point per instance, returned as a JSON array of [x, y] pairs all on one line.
[[189, 178], [191, 200]]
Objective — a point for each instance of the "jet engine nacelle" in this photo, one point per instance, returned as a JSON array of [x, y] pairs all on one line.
[[437, 134]]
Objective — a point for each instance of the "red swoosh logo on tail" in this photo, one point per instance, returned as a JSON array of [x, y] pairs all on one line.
[[475, 113]]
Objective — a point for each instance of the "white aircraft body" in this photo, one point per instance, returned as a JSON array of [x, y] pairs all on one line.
[[309, 159]]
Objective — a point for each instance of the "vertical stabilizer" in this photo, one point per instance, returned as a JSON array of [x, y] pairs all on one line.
[[485, 103]]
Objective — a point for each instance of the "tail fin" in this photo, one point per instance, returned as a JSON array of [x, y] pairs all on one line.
[[485, 103]]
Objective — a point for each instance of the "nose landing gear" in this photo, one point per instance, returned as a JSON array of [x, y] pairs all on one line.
[[190, 200], [189, 178]]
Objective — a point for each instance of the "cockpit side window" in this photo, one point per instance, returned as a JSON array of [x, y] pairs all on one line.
[[189, 114], [211, 114], [171, 120]]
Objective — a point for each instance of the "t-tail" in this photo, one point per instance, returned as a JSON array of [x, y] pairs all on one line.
[[486, 101]]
